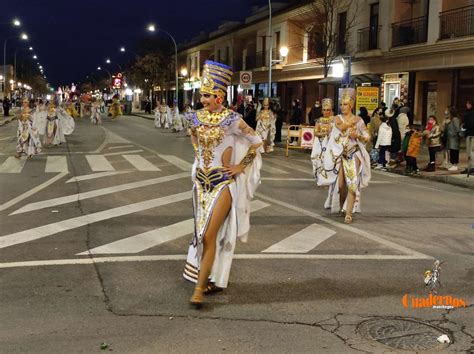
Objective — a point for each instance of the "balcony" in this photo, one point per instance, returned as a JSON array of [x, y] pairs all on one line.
[[408, 32], [368, 39], [456, 23]]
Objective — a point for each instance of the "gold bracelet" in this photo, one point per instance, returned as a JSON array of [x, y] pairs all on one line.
[[247, 160]]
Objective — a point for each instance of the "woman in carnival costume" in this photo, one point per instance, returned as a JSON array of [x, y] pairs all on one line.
[[54, 124], [346, 162], [177, 122], [115, 108], [226, 173], [28, 141], [95, 111], [322, 130], [157, 114], [71, 109], [266, 126]]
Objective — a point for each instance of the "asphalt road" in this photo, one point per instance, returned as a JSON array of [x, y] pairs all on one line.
[[94, 233]]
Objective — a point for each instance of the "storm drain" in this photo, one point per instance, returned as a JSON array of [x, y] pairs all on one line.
[[402, 333]]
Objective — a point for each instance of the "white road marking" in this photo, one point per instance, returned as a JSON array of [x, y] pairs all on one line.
[[271, 169], [95, 175], [99, 163], [123, 152], [182, 257], [156, 237], [406, 250], [96, 193], [140, 163], [12, 165], [31, 191], [7, 138], [65, 225], [388, 174], [302, 241], [176, 161], [55, 164], [291, 167], [110, 138], [120, 147], [288, 179]]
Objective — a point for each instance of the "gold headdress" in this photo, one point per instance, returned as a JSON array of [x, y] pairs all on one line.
[[327, 103], [215, 79], [347, 98]]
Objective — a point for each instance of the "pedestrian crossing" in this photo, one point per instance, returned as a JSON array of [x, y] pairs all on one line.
[[95, 163]]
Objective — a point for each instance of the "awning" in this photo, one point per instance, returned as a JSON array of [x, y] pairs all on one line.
[[355, 79]]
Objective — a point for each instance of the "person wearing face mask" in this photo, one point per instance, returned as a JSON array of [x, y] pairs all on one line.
[[315, 113], [452, 127]]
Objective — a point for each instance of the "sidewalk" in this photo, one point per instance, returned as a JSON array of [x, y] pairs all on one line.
[[142, 114]]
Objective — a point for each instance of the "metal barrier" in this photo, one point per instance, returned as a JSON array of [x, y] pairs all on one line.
[[302, 136]]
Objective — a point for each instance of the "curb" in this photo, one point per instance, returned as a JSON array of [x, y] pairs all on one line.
[[6, 121], [141, 116]]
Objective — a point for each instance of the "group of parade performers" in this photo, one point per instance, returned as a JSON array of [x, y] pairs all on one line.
[[47, 124], [226, 173], [226, 169]]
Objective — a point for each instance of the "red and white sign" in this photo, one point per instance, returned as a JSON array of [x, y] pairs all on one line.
[[246, 79], [307, 137]]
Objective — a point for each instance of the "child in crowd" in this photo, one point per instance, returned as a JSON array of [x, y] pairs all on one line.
[[413, 150], [384, 140]]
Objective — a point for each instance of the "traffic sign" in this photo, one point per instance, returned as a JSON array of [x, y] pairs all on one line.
[[246, 79]]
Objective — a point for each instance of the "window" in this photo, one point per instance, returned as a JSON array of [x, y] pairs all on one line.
[[277, 42], [374, 26], [341, 37]]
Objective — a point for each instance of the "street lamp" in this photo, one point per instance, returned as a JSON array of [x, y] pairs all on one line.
[[23, 36], [184, 72], [16, 22], [152, 28], [35, 57], [107, 61]]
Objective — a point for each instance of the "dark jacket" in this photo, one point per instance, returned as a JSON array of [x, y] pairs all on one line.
[[469, 122], [314, 115], [296, 116]]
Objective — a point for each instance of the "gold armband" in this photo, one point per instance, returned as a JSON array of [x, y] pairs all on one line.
[[196, 149], [247, 160]]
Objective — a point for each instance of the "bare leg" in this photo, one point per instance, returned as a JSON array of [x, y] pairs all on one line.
[[342, 187], [221, 209], [351, 199]]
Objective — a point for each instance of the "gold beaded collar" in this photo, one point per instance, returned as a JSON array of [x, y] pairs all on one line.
[[212, 118]]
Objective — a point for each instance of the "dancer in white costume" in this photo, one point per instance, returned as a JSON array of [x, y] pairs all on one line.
[[226, 173], [157, 114], [266, 126], [95, 111], [322, 130], [54, 124], [28, 141], [346, 162], [177, 122]]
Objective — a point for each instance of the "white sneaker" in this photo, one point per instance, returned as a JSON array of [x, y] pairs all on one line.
[[453, 168], [293, 143], [378, 167]]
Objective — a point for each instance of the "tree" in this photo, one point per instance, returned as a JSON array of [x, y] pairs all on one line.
[[328, 25], [149, 71]]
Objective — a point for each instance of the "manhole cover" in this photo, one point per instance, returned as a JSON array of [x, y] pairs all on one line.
[[402, 333]]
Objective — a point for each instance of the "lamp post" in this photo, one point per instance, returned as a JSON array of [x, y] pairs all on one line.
[[108, 61], [14, 61], [152, 28], [270, 60], [24, 37], [108, 72]]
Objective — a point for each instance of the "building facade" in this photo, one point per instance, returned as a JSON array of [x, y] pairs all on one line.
[[420, 51]]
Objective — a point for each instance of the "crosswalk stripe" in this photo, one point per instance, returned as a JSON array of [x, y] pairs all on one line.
[[65, 225], [180, 163], [99, 163], [12, 165], [140, 163], [98, 192], [156, 237], [270, 169], [56, 164], [291, 167], [95, 175], [303, 241], [122, 152]]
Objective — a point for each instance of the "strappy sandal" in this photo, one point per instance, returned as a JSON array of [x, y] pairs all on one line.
[[348, 219], [197, 298], [212, 289]]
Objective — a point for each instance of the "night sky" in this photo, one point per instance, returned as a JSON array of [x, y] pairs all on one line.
[[72, 38]]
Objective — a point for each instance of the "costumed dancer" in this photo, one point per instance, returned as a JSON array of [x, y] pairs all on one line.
[[115, 108], [95, 112], [169, 118], [71, 109], [187, 109], [164, 115], [177, 122], [346, 162], [157, 114], [54, 124], [266, 126], [225, 147], [322, 130], [28, 141]]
